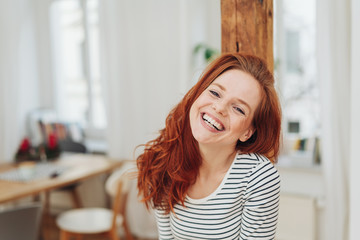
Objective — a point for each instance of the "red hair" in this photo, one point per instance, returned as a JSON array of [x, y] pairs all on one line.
[[170, 163]]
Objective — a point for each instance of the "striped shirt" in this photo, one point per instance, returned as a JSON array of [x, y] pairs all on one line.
[[244, 206]]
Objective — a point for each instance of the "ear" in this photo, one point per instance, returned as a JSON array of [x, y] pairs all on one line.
[[248, 133]]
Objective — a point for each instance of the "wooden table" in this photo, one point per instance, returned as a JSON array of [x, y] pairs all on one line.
[[80, 167]]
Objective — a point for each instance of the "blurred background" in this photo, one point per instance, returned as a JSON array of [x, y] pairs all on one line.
[[113, 69]]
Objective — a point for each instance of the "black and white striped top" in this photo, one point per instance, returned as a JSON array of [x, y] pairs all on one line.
[[244, 206]]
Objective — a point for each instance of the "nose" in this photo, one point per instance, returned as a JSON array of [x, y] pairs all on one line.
[[219, 107]]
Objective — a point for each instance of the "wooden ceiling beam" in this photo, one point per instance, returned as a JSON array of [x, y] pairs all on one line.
[[247, 26]]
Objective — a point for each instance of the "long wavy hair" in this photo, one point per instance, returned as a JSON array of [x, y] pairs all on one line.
[[170, 163]]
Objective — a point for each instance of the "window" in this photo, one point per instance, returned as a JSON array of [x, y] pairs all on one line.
[[75, 34], [292, 51], [295, 68]]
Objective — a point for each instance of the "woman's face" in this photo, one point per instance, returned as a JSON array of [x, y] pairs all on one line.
[[223, 113]]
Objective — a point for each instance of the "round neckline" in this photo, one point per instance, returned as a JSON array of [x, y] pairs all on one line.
[[204, 199]]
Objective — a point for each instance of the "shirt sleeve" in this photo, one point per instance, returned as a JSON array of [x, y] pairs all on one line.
[[163, 224], [260, 213]]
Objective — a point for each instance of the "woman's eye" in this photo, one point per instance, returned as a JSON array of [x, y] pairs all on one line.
[[214, 93], [239, 110]]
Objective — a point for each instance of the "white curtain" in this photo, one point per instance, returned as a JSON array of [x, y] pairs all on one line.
[[354, 165], [337, 63], [18, 73], [143, 64]]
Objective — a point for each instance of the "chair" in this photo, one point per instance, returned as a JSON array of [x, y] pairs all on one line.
[[142, 221], [100, 221], [21, 222]]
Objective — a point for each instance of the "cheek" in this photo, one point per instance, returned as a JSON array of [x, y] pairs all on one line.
[[241, 125], [195, 107]]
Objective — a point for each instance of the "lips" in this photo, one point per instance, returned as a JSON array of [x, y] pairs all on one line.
[[210, 121]]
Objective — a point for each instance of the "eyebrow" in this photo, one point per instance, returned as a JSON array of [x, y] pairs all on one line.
[[238, 99]]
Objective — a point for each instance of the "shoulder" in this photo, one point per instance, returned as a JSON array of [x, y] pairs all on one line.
[[251, 159], [257, 165]]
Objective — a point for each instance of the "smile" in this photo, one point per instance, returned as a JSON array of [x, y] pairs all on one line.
[[212, 122]]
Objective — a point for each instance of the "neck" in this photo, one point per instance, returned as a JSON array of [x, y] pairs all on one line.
[[215, 160]]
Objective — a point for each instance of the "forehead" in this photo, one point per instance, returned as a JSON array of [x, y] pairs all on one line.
[[239, 84]]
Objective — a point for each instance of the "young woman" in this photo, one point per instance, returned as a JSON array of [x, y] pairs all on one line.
[[210, 173]]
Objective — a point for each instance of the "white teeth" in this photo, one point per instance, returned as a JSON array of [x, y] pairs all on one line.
[[212, 122]]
